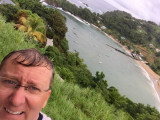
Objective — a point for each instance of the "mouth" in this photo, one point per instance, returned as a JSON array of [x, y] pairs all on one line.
[[13, 112]]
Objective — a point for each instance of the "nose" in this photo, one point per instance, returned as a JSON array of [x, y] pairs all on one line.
[[17, 97]]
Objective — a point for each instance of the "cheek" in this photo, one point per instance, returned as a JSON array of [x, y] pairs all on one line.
[[37, 103], [4, 97]]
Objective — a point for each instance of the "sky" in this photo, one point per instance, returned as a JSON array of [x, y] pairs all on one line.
[[143, 9]]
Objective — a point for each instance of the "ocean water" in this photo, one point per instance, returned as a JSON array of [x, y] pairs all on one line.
[[120, 71]]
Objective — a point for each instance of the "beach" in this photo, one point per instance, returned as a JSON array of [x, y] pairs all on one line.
[[153, 82], [155, 78]]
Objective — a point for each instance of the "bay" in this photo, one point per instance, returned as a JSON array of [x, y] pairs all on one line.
[[121, 71]]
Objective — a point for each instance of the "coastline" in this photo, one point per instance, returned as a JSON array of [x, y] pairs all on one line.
[[155, 78]]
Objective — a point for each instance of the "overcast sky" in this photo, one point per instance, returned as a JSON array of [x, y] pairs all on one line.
[[143, 9]]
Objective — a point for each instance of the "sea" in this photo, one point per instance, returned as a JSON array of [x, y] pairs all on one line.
[[120, 71]]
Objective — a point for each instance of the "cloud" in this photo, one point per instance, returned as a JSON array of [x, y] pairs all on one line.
[[142, 9]]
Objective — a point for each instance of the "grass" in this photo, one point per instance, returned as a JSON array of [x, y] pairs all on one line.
[[67, 101], [70, 102], [146, 53], [10, 39]]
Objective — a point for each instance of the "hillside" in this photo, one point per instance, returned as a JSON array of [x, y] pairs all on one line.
[[141, 37], [68, 101], [88, 96], [128, 30], [71, 102]]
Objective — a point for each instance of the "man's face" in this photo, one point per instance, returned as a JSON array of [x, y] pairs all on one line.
[[19, 104]]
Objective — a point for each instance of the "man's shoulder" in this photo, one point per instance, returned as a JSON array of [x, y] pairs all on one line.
[[44, 116]]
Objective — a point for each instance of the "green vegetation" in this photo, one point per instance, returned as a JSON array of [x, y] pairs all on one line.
[[8, 11], [93, 99], [83, 13], [128, 30], [138, 34], [31, 24], [70, 102], [10, 39], [72, 69], [55, 22]]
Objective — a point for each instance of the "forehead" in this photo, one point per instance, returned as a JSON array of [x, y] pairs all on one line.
[[34, 73]]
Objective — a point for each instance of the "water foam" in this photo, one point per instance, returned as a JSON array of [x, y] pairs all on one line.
[[77, 18], [43, 2], [145, 73]]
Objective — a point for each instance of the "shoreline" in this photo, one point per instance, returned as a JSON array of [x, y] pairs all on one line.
[[154, 77]]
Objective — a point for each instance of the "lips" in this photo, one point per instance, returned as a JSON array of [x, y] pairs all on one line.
[[13, 112]]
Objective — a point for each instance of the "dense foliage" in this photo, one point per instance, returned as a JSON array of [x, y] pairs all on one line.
[[83, 13], [31, 24], [55, 22], [10, 39], [72, 69], [8, 11], [70, 102], [136, 32], [123, 27]]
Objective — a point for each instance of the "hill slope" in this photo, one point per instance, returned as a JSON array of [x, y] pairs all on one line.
[[70, 102]]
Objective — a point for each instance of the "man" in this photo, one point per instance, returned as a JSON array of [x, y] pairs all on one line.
[[25, 80]]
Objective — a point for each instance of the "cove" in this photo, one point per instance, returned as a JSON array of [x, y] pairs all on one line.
[[120, 71]]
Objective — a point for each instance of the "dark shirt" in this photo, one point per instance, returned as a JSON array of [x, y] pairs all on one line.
[[40, 116]]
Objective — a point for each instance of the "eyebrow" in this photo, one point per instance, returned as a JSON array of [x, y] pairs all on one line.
[[31, 82], [10, 76]]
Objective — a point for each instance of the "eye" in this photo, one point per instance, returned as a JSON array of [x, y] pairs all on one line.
[[34, 88], [9, 82]]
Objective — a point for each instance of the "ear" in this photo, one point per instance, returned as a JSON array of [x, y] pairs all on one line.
[[46, 98]]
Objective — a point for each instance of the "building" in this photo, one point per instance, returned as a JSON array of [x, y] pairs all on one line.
[[123, 38], [151, 46], [103, 27], [157, 50]]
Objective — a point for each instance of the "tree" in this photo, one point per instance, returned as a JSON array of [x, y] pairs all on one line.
[[66, 74], [8, 11], [85, 14], [53, 18], [31, 24]]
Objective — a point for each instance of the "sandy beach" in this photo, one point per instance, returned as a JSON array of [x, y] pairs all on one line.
[[153, 76]]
